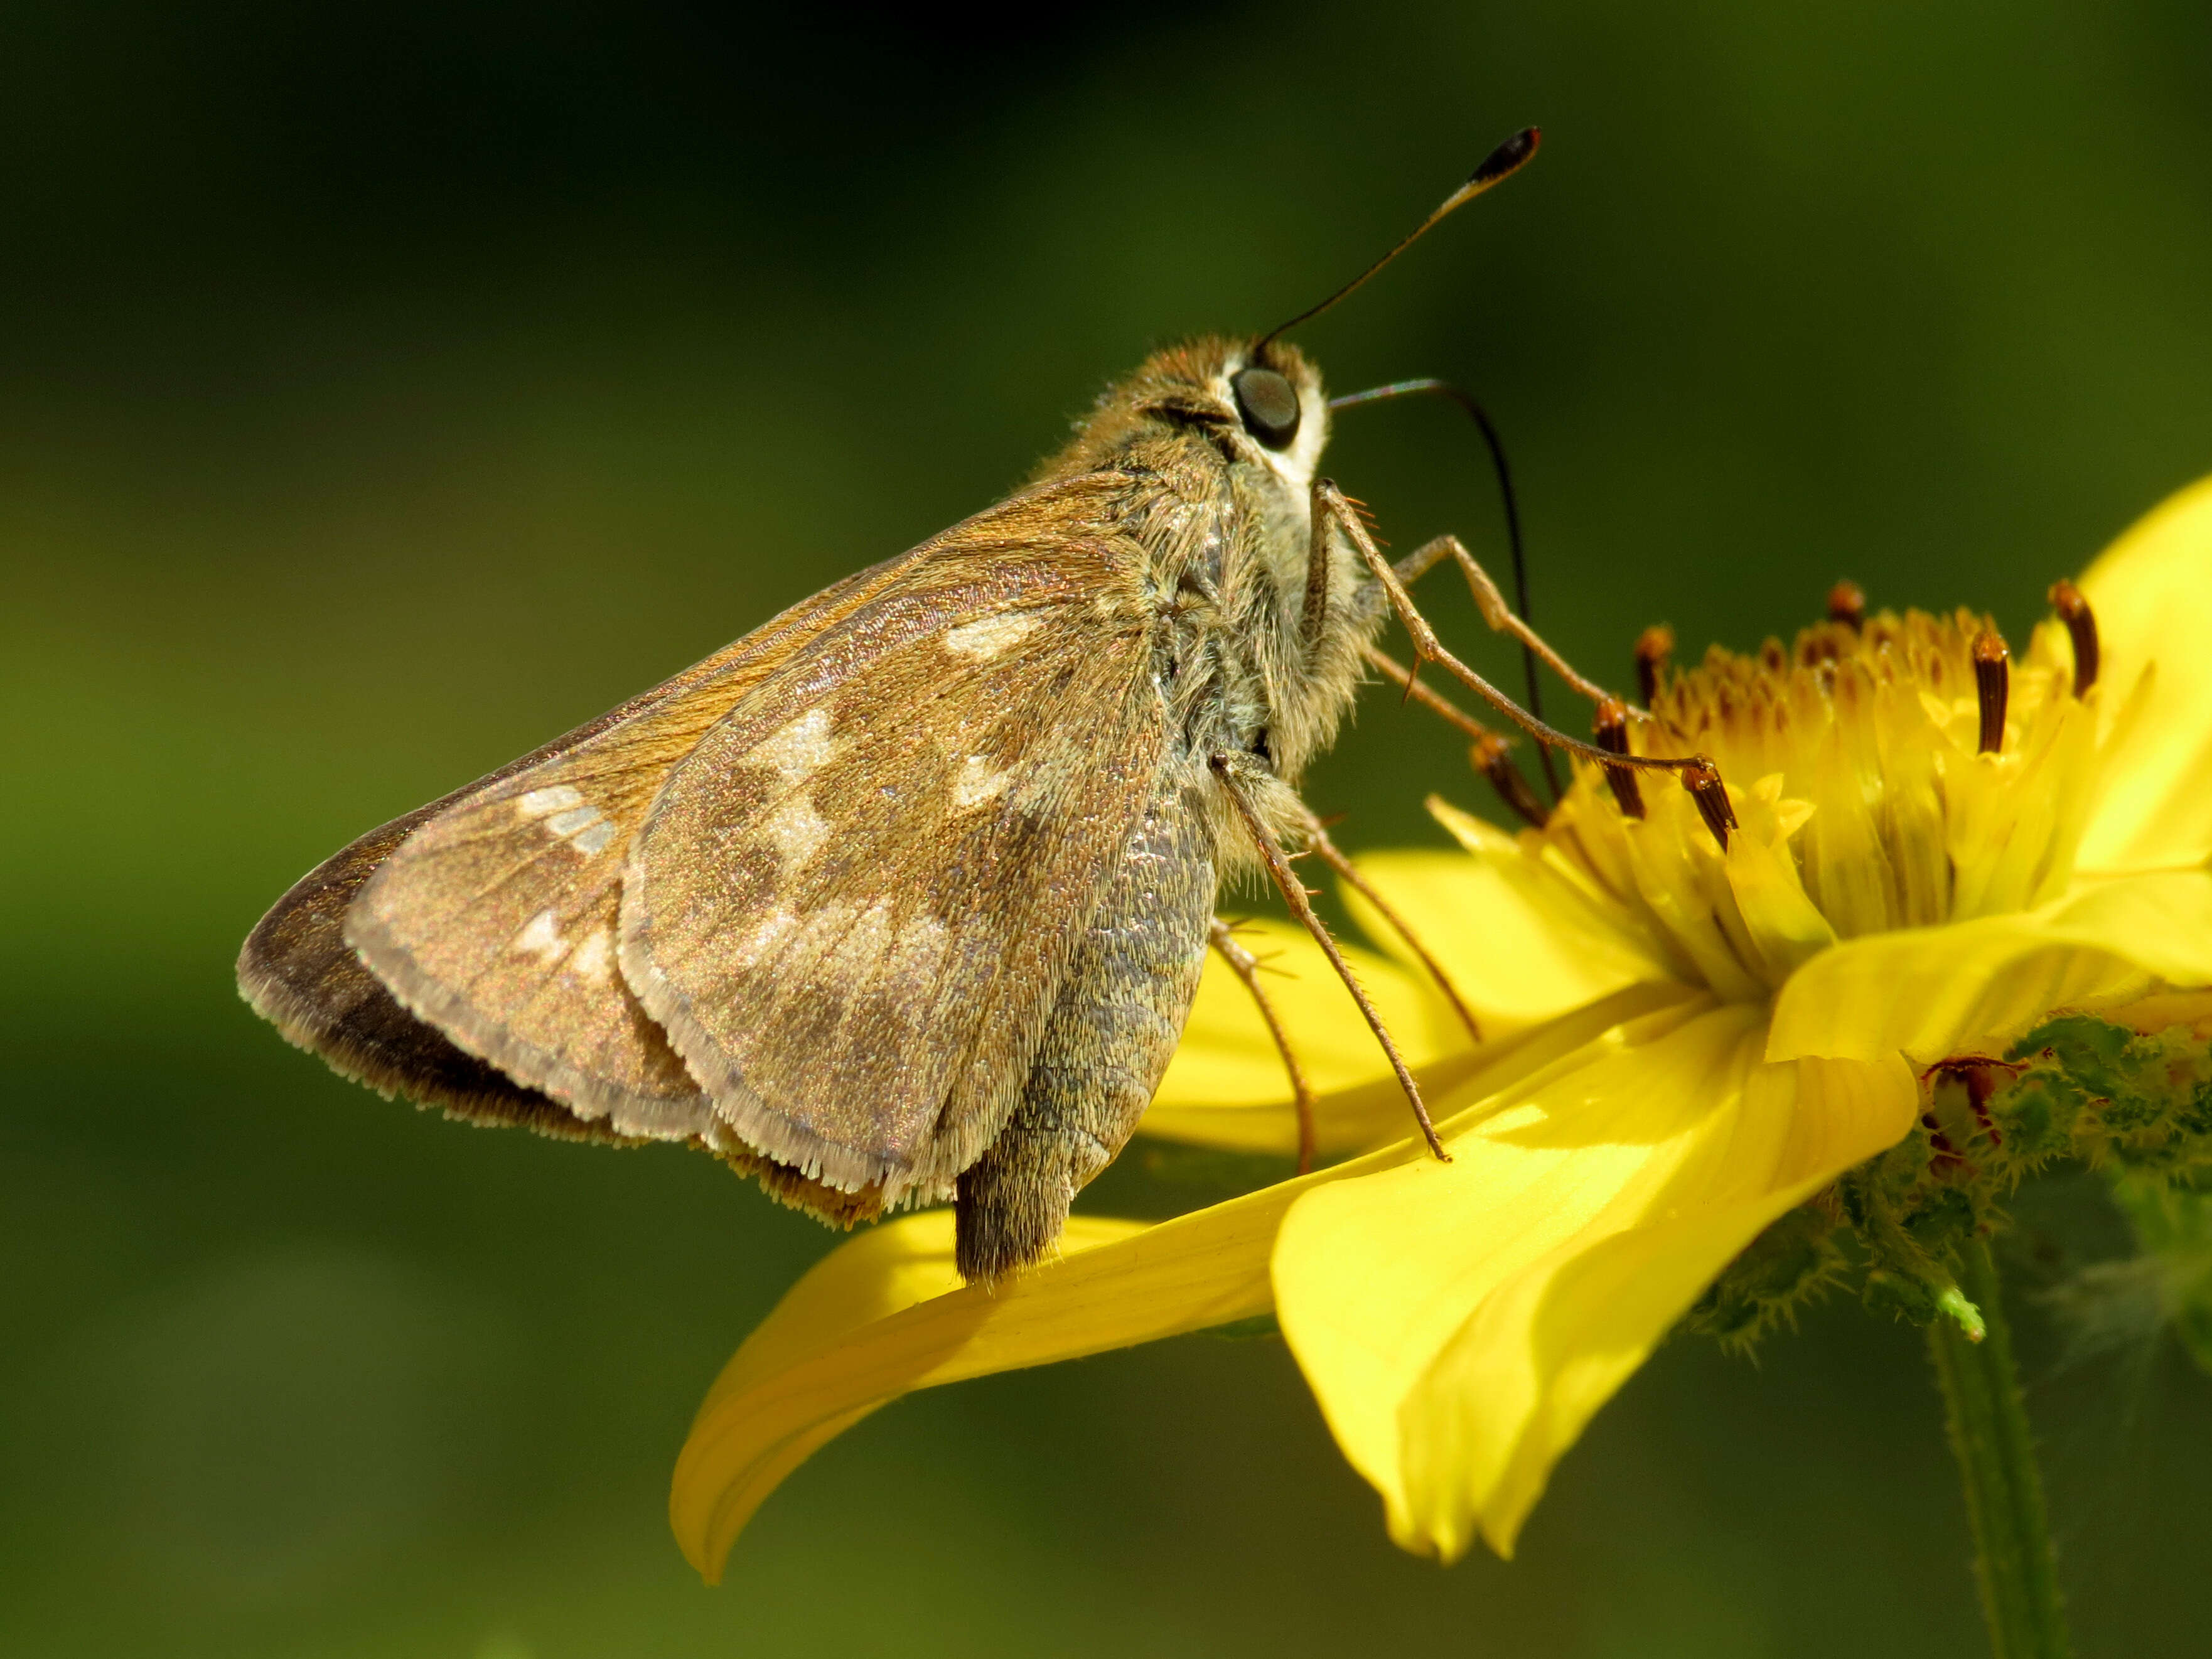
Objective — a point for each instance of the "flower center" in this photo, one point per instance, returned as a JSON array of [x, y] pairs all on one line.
[[1886, 772]]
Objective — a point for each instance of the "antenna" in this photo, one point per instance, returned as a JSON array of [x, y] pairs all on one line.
[[1498, 167]]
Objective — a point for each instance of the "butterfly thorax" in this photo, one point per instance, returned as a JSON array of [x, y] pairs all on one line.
[[1222, 523]]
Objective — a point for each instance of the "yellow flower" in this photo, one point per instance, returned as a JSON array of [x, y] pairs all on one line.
[[1683, 1043]]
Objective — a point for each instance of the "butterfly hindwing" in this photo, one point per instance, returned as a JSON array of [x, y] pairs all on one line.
[[852, 905]]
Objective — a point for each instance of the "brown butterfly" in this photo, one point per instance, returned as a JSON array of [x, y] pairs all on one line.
[[903, 896]]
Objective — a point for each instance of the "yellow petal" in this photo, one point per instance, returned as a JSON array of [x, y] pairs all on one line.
[[1460, 1323], [1780, 925], [1518, 940], [1226, 1086], [886, 1313], [1970, 988], [2152, 594]]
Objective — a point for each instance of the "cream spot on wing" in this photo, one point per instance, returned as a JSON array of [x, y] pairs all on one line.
[[845, 949], [919, 953], [539, 802], [567, 816], [575, 818], [976, 781], [796, 831], [593, 958], [865, 964], [801, 945], [768, 932], [800, 750], [541, 937], [986, 637]]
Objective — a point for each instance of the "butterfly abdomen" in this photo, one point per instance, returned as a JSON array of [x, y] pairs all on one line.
[[1119, 1014]]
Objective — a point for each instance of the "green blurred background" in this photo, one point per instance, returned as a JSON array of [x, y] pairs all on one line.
[[384, 389]]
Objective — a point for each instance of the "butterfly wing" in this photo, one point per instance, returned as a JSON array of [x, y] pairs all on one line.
[[491, 924], [853, 904], [298, 970], [298, 973]]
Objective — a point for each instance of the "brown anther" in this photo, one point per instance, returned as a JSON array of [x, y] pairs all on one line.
[[1993, 684], [1703, 780], [1611, 726], [1847, 603], [1653, 648], [1492, 756], [1945, 1162], [2082, 622], [1980, 1080], [1979, 1090]]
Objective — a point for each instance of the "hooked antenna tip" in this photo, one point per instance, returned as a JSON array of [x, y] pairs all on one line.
[[1499, 165], [1508, 157]]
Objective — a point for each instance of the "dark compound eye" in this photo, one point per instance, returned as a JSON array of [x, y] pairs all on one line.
[[1269, 406]]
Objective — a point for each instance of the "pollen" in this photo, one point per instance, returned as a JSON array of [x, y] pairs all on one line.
[[1882, 771]]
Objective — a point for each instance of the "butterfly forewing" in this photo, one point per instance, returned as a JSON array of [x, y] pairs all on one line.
[[852, 903], [496, 922], [299, 971]]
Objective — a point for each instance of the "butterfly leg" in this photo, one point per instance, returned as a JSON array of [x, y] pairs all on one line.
[[1698, 773], [1246, 966], [1317, 839], [1237, 772], [1488, 753], [1500, 617]]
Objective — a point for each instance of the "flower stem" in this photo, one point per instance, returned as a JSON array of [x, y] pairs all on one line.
[[1990, 1436]]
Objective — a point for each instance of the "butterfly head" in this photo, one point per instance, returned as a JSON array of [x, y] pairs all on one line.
[[1258, 408]]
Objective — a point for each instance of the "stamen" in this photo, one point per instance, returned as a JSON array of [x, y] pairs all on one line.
[[1653, 648], [1703, 782], [1847, 603], [1492, 756], [1612, 728], [1993, 683], [1980, 1085], [2082, 622], [1945, 1161]]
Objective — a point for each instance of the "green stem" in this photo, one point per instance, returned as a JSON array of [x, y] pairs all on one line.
[[1990, 1436]]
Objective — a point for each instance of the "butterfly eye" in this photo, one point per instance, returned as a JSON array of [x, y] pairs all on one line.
[[1269, 405]]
